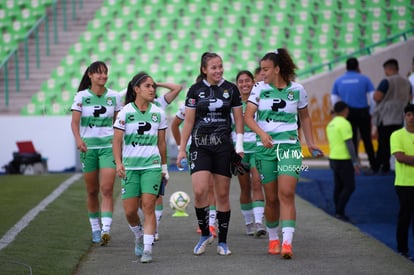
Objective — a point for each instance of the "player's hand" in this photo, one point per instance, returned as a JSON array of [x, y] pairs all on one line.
[[120, 171], [266, 140], [315, 151], [81, 146]]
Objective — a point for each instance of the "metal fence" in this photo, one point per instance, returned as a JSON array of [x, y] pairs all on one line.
[[23, 48]]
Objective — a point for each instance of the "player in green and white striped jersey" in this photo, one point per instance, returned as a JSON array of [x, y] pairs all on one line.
[[139, 148], [251, 193], [162, 102], [93, 111], [277, 101]]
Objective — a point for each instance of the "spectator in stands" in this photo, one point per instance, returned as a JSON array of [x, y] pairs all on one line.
[[343, 159], [93, 110], [402, 148], [391, 96], [411, 78], [278, 101], [251, 193], [209, 103], [139, 149], [354, 89]]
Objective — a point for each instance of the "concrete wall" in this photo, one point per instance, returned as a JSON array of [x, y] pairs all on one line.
[[51, 136]]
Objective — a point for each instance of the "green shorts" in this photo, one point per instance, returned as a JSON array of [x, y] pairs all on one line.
[[282, 159], [94, 159], [250, 158], [138, 182]]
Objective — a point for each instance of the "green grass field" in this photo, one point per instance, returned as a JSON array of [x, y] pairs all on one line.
[[57, 239]]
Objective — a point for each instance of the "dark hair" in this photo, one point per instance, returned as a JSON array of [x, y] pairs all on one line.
[[135, 81], [281, 58], [246, 72], [205, 57], [257, 70], [409, 108], [339, 107], [391, 64], [352, 64], [95, 67]]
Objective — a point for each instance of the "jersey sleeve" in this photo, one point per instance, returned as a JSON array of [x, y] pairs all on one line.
[[303, 98], [163, 103], [163, 122], [181, 112], [120, 120], [118, 106], [254, 96], [346, 131], [236, 99], [191, 99], [77, 102], [395, 144]]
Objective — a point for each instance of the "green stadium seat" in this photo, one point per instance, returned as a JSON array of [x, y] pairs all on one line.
[[56, 108], [167, 38], [31, 109]]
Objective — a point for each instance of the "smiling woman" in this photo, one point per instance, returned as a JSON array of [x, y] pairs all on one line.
[[209, 103], [140, 122], [93, 111]]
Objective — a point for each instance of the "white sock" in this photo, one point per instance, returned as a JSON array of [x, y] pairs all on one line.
[[137, 230], [288, 234], [158, 216], [212, 217], [248, 216], [273, 233], [148, 241], [95, 224], [258, 212], [106, 223]]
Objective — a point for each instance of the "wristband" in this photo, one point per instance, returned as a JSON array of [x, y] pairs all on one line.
[[164, 170], [239, 143], [178, 148]]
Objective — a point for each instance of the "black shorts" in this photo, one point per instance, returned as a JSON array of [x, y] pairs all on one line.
[[214, 159]]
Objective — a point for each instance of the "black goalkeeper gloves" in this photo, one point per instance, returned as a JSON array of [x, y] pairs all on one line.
[[238, 167]]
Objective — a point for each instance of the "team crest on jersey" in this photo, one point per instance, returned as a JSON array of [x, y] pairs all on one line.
[[191, 102], [154, 117], [109, 101], [226, 94], [290, 96]]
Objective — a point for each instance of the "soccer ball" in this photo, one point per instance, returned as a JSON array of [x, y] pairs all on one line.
[[179, 200]]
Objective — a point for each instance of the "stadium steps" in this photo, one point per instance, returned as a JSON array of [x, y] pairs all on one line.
[[30, 86]]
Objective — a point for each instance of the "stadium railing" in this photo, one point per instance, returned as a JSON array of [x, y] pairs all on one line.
[[368, 50], [23, 47]]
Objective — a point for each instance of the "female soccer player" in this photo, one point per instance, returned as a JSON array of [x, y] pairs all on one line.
[[277, 102], [139, 148], [93, 111], [251, 193], [209, 103]]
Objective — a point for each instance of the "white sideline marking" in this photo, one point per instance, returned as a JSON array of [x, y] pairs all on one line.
[[26, 219]]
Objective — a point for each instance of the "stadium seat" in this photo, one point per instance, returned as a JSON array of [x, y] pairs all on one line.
[[31, 109], [167, 41]]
